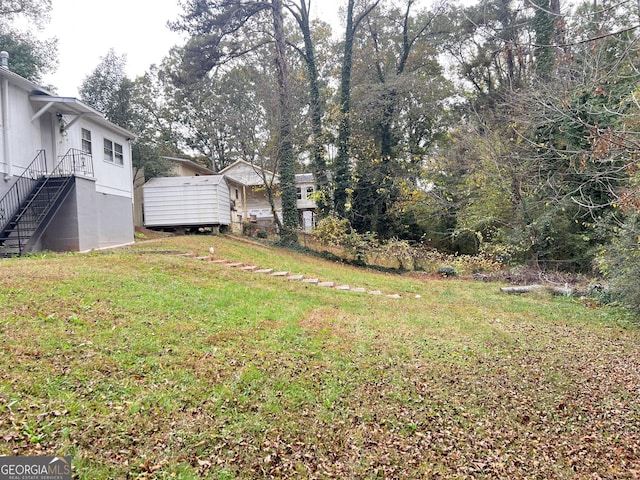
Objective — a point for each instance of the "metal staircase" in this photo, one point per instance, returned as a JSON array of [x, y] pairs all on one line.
[[33, 200]]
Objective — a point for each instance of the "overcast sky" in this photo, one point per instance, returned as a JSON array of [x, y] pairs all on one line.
[[87, 29]]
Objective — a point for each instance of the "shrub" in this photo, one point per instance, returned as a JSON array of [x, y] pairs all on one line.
[[395, 253], [619, 263], [331, 230]]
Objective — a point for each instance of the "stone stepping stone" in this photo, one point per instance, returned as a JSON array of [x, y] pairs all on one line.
[[234, 265], [264, 270], [310, 280], [218, 261], [295, 277], [394, 295], [326, 284], [249, 268], [280, 274], [203, 258], [375, 292], [343, 287], [359, 290]]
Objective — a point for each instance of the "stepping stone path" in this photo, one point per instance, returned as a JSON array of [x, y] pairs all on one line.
[[287, 275]]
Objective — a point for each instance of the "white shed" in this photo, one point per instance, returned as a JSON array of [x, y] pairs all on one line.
[[187, 201]]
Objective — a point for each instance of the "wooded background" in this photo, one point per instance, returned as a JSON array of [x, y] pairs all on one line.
[[502, 127]]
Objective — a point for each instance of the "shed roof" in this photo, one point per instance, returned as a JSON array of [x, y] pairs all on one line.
[[186, 181]]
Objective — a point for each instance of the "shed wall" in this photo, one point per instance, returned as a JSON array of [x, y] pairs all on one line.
[[184, 204]]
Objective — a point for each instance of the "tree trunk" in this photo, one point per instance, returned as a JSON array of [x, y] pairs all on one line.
[[342, 167], [319, 163], [286, 161]]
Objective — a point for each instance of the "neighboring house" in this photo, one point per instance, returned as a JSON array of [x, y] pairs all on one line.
[[252, 202], [182, 167], [66, 178], [305, 188]]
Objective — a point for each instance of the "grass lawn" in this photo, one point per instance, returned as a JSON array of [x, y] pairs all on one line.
[[141, 363]]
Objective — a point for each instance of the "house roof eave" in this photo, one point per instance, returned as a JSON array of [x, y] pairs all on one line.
[[73, 106]]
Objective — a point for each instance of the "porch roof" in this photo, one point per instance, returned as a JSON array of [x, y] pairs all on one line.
[[73, 106]]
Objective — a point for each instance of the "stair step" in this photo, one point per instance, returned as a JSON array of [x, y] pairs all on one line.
[[29, 216]]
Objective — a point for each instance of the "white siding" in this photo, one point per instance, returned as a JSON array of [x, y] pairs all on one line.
[[187, 201], [24, 135], [245, 173], [258, 204], [111, 178]]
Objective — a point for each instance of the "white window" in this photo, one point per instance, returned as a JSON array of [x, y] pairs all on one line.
[[86, 141], [299, 193], [113, 152], [309, 190], [108, 150], [117, 150]]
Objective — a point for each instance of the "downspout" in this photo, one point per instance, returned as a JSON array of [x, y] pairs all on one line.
[[4, 65]]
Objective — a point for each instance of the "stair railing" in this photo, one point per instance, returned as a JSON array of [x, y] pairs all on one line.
[[74, 162], [22, 187]]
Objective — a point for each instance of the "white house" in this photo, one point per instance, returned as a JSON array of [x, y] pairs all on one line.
[[252, 203], [305, 188], [65, 172]]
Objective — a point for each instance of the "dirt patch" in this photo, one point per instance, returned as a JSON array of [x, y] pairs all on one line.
[[332, 325], [142, 234]]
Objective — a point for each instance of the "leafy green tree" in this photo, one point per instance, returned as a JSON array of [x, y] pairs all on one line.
[[619, 261], [399, 111], [301, 13], [215, 29], [342, 165], [29, 56], [35, 11], [154, 121], [137, 106], [547, 25], [552, 150], [108, 90]]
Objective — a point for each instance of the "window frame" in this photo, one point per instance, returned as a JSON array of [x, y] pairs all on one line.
[[310, 191], [113, 152], [86, 141], [118, 154]]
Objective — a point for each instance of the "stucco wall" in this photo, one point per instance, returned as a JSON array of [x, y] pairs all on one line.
[[115, 220], [89, 220]]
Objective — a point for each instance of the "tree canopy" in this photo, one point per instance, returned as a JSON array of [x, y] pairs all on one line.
[[29, 56], [507, 127]]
